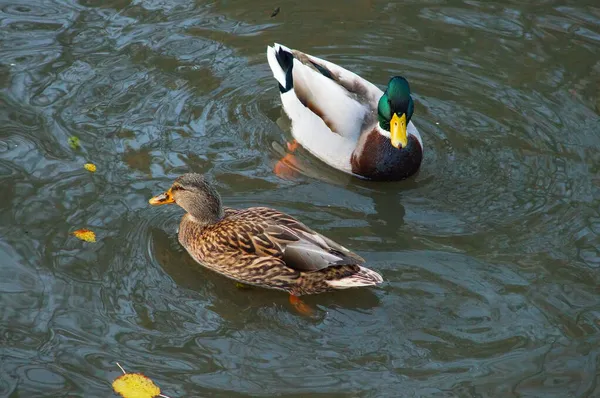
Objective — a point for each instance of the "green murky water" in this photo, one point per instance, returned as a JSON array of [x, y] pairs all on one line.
[[491, 255]]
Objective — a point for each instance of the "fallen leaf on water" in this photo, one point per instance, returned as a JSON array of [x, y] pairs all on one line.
[[240, 285], [90, 167], [85, 234], [135, 385], [74, 142], [275, 12]]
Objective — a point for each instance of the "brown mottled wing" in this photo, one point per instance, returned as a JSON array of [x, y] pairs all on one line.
[[229, 211], [278, 234]]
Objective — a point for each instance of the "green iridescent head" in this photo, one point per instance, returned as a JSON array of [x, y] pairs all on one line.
[[395, 109]]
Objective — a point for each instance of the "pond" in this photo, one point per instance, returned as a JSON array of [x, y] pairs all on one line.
[[490, 254]]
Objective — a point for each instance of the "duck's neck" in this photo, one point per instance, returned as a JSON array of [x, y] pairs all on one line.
[[204, 211], [204, 219], [376, 159], [190, 228], [200, 222]]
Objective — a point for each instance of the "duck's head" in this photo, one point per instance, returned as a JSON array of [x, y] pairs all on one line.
[[195, 195], [395, 109]]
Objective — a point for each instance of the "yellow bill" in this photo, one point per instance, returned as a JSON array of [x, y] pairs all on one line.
[[398, 131], [162, 199]]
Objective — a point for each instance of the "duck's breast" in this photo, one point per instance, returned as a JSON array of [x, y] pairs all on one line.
[[376, 159]]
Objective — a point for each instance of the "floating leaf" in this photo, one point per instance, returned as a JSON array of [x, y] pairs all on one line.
[[135, 385], [275, 12], [90, 167], [74, 142], [240, 285], [85, 234]]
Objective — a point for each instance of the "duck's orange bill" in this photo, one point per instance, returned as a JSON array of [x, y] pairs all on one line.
[[162, 199]]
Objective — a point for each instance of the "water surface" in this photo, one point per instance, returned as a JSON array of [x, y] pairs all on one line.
[[490, 255]]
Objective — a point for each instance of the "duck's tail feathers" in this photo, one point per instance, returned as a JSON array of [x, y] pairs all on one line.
[[281, 61], [364, 277]]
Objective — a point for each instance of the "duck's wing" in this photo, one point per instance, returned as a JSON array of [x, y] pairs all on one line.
[[345, 102], [268, 232], [270, 248], [318, 256]]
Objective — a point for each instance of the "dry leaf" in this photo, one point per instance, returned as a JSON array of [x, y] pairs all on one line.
[[240, 285], [74, 142], [135, 385], [90, 167], [85, 234]]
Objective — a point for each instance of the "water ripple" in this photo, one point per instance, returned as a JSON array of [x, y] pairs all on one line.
[[489, 255]]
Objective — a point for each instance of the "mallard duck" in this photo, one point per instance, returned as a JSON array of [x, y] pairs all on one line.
[[346, 121], [261, 246]]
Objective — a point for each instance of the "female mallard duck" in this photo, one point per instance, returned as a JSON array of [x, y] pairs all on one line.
[[261, 246], [346, 121]]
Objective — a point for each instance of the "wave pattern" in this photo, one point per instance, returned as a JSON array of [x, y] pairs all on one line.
[[490, 255]]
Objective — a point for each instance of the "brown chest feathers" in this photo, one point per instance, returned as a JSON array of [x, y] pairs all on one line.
[[378, 160]]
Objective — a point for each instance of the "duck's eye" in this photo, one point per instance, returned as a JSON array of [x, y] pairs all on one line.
[[176, 188]]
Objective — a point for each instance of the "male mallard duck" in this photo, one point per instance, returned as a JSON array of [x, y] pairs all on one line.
[[261, 246], [346, 121]]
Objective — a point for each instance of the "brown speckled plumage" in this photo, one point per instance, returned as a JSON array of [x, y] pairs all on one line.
[[264, 247]]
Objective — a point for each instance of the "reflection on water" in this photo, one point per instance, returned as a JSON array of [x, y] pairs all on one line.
[[490, 254]]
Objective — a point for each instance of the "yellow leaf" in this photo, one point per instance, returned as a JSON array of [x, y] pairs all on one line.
[[85, 234], [90, 167], [74, 142], [135, 385], [240, 285]]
